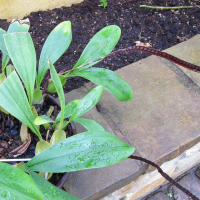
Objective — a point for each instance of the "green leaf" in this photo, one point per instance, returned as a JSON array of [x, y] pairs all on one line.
[[109, 79], [43, 119], [9, 70], [59, 89], [37, 96], [51, 86], [22, 53], [89, 124], [2, 78], [57, 136], [19, 26], [2, 44], [90, 100], [82, 151], [15, 184], [100, 45], [14, 100], [69, 109], [56, 44], [64, 126], [5, 60], [41, 146], [49, 191], [104, 3], [15, 26]]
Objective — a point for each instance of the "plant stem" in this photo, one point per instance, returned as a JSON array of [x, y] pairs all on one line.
[[164, 8], [61, 120], [91, 4], [155, 52], [192, 196]]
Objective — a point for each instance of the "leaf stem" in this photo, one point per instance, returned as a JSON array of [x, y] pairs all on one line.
[[167, 56], [165, 8], [166, 176]]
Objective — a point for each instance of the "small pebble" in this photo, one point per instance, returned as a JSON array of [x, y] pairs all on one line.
[[14, 132]]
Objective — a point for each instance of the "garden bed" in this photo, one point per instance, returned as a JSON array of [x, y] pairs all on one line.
[[161, 28]]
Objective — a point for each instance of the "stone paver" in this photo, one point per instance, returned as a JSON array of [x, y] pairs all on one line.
[[191, 182], [162, 121], [190, 53]]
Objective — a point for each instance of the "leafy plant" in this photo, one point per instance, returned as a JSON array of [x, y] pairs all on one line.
[[103, 3], [92, 149]]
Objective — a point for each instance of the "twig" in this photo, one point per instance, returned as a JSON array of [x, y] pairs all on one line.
[[155, 52], [192, 196], [165, 8], [91, 4]]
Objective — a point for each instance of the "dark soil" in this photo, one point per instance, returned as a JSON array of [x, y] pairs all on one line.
[[161, 28], [10, 130]]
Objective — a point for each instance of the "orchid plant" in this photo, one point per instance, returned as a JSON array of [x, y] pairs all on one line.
[[18, 95]]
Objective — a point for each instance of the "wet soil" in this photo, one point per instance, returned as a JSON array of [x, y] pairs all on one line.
[[161, 28]]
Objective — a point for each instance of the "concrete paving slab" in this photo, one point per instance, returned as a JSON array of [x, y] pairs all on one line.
[[189, 51], [162, 120]]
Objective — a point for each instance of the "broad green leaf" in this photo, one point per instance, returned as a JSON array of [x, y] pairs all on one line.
[[82, 151], [2, 44], [37, 97], [9, 70], [15, 184], [100, 45], [19, 26], [22, 53], [51, 86], [57, 136], [89, 124], [69, 109], [43, 119], [5, 60], [56, 44], [15, 26], [90, 100], [109, 79], [41, 146], [14, 100], [59, 89], [49, 191]]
